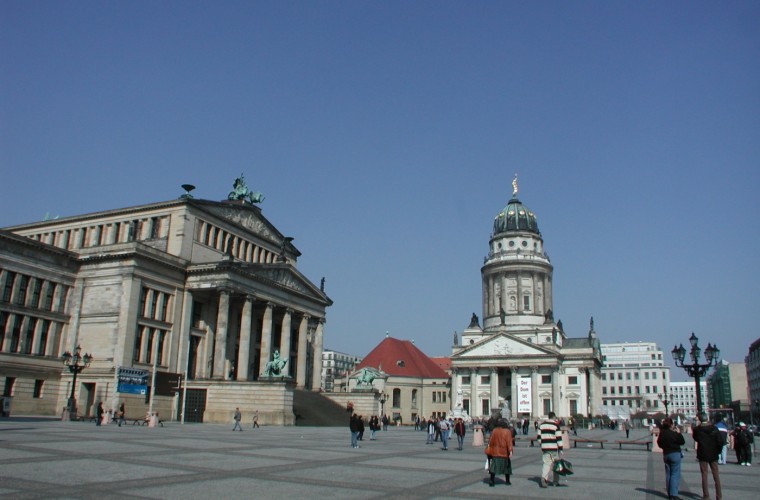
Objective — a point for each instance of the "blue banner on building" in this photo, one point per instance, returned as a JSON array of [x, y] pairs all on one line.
[[132, 381], [132, 389]]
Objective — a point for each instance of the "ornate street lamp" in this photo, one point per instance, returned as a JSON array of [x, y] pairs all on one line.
[[76, 363], [383, 399], [695, 369], [667, 399]]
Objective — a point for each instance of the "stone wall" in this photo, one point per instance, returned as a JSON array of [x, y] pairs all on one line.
[[273, 400]]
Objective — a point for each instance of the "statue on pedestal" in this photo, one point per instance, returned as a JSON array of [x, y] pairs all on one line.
[[274, 368]]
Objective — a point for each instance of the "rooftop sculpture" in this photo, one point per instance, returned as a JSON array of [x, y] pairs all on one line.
[[240, 192]]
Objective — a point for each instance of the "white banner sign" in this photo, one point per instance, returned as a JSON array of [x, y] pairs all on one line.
[[524, 395]]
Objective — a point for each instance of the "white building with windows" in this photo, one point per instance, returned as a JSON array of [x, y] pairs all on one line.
[[634, 378], [336, 365], [521, 361], [684, 398]]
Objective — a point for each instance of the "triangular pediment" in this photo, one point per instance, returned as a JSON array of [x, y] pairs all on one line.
[[246, 217], [284, 275], [501, 345]]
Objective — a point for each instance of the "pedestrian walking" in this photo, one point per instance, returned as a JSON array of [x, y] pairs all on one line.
[[628, 427], [459, 430], [122, 412], [374, 426], [550, 437], [709, 445], [443, 425], [237, 418], [353, 426], [256, 419], [431, 427], [499, 452], [671, 440], [99, 414], [721, 426], [743, 443]]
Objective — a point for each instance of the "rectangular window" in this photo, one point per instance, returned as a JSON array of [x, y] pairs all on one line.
[[23, 284], [628, 390], [526, 306], [197, 314], [9, 383], [635, 375], [10, 278], [573, 407], [485, 379], [49, 294], [466, 380], [628, 375], [654, 375], [36, 289], [647, 390], [620, 375], [638, 390], [612, 390], [604, 390], [646, 375], [547, 406], [572, 380], [38, 388], [604, 376], [546, 379]]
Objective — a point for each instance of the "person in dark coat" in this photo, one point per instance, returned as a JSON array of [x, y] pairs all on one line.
[[671, 440], [709, 446], [459, 430]]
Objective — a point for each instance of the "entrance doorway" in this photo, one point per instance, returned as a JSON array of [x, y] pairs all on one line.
[[195, 405], [89, 398]]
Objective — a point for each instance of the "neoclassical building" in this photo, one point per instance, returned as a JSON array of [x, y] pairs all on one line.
[[520, 360], [208, 290]]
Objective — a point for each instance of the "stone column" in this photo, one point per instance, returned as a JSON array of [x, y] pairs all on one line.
[[583, 398], [285, 341], [303, 330], [10, 323], [454, 387], [266, 338], [535, 407], [220, 338], [245, 339], [514, 391], [494, 388], [37, 338], [591, 391], [144, 344], [474, 402], [316, 372], [548, 293], [519, 293], [555, 391], [185, 323]]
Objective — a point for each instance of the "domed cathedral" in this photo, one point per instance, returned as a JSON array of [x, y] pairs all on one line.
[[521, 361]]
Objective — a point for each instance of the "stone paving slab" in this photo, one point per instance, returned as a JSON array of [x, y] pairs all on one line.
[[52, 459]]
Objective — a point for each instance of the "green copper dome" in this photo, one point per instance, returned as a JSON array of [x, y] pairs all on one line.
[[515, 217]]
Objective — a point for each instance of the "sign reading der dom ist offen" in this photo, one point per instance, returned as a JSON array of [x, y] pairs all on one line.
[[132, 381]]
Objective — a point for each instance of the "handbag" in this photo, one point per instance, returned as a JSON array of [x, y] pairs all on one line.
[[562, 467]]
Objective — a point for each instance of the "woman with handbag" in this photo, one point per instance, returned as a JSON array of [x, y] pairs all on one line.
[[671, 440], [499, 451]]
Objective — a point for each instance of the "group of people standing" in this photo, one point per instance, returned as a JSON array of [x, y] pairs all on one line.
[[712, 441], [442, 428], [501, 445]]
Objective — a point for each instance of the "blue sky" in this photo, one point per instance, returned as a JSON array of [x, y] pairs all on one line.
[[385, 136]]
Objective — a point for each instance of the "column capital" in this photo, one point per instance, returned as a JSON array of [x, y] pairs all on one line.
[[534, 369], [494, 369]]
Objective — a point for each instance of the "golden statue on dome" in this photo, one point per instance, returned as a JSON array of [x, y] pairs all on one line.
[[514, 186]]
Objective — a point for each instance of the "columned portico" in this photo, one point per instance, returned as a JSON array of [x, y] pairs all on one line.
[[266, 337], [494, 403], [317, 365], [245, 339], [474, 399], [303, 330], [220, 335], [513, 390]]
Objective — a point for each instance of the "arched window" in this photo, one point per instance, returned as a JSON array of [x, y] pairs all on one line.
[[414, 398], [397, 398]]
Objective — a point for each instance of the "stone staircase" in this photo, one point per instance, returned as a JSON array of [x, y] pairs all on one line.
[[312, 409]]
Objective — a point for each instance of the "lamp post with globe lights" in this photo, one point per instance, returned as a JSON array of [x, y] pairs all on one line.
[[696, 369], [667, 399], [75, 363]]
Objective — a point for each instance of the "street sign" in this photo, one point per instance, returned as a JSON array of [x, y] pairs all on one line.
[[167, 383]]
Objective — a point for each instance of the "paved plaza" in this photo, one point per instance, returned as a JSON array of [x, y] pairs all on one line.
[[52, 459]]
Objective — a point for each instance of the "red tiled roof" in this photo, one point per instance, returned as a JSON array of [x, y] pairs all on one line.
[[443, 363], [401, 358]]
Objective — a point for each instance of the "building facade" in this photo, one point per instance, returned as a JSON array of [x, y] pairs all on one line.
[[727, 388], [684, 398], [521, 361], [634, 379], [752, 361], [407, 383], [203, 289], [336, 365]]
